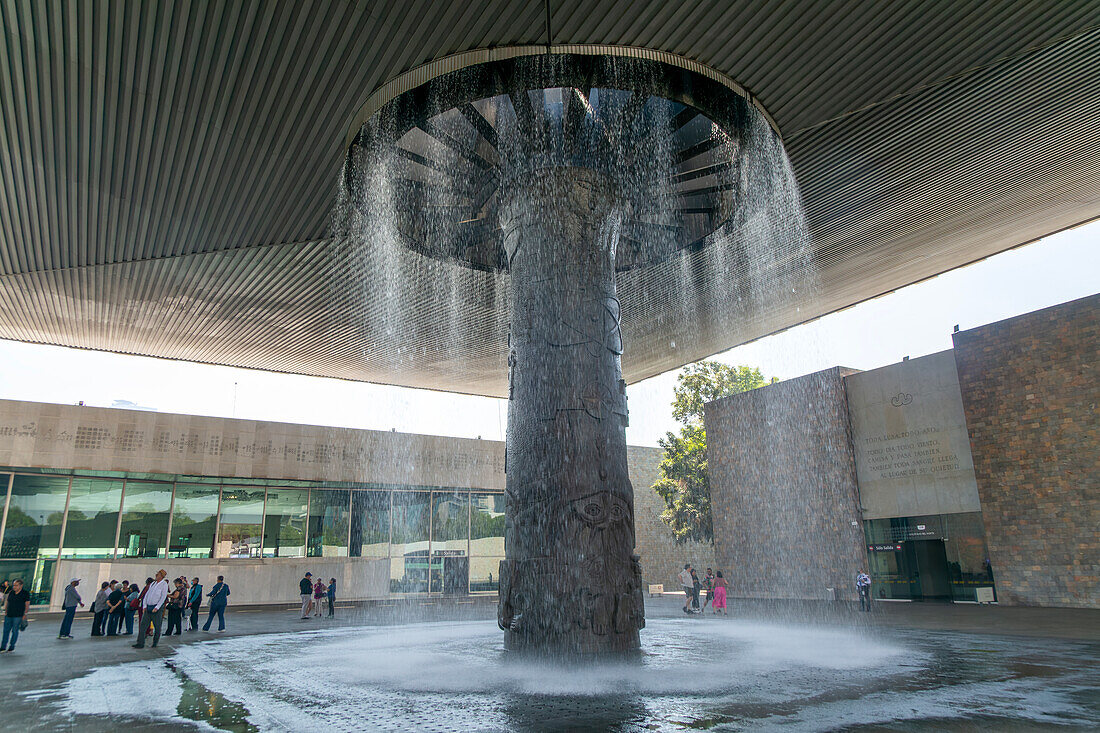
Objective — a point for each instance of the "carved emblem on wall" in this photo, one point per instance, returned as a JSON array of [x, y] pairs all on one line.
[[901, 399]]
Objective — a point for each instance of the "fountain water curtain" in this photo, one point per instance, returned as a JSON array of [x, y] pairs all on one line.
[[562, 172]]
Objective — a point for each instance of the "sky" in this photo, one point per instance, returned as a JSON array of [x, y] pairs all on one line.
[[912, 321]]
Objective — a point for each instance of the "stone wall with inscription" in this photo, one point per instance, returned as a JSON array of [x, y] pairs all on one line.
[[911, 444], [42, 435], [1031, 389], [39, 435]]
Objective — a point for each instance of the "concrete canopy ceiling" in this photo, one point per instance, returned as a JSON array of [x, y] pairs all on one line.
[[168, 169]]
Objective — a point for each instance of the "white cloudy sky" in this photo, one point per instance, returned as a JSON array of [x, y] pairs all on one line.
[[913, 321]]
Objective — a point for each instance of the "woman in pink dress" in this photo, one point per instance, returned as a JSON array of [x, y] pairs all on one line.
[[318, 595], [720, 594]]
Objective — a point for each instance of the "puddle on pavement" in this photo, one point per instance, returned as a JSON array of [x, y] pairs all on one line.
[[203, 705]]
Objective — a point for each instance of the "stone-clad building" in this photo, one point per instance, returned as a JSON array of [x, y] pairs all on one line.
[[1032, 398], [108, 493], [967, 475]]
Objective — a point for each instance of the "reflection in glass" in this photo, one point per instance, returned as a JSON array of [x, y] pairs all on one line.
[[484, 574], [486, 525], [93, 518], [285, 522], [34, 516], [450, 517], [409, 568], [241, 513], [370, 524], [145, 509], [449, 571], [194, 518], [328, 523]]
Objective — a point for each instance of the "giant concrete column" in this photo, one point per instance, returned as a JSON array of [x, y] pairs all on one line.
[[570, 583]]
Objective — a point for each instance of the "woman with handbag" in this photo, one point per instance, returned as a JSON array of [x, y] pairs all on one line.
[[175, 611], [132, 602]]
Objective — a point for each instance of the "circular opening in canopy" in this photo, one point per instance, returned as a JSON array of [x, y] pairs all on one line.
[[668, 139]]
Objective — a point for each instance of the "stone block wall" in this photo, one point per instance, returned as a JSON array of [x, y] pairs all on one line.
[[783, 489], [1031, 392], [662, 558]]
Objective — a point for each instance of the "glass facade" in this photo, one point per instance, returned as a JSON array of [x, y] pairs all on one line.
[[146, 507], [328, 523], [285, 520], [437, 540], [935, 557], [93, 518]]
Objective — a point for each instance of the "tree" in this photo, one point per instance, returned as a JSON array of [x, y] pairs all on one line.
[[683, 483]]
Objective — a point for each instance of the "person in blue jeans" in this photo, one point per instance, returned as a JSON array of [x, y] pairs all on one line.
[[16, 610], [69, 605], [219, 599]]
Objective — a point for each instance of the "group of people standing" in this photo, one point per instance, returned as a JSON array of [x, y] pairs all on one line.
[[313, 595], [713, 583], [117, 604]]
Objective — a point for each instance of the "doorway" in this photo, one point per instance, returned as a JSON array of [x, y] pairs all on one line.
[[929, 578]]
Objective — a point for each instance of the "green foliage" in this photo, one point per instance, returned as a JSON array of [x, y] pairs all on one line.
[[706, 381], [683, 483]]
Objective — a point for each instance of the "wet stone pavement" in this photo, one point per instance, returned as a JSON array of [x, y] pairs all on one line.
[[440, 666]]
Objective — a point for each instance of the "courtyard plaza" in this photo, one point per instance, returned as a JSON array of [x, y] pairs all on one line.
[[1054, 650]]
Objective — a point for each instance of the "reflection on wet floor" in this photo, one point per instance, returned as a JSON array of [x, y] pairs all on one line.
[[206, 706]]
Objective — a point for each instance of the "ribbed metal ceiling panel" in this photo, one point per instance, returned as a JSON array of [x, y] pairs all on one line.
[[167, 169]]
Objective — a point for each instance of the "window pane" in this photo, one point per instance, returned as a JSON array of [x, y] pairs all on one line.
[[409, 570], [34, 516], [285, 522], [370, 524], [93, 518], [37, 576], [328, 523], [144, 519], [193, 521], [450, 521], [242, 513], [486, 526]]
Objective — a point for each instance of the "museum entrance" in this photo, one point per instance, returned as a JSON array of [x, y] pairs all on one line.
[[926, 563]]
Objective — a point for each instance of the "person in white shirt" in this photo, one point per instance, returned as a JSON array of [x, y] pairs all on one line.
[[154, 608], [688, 585], [863, 586]]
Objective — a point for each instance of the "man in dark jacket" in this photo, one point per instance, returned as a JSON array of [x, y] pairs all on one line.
[[305, 586], [219, 599], [194, 601]]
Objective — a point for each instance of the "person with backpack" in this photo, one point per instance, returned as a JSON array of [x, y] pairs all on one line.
[[219, 599]]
